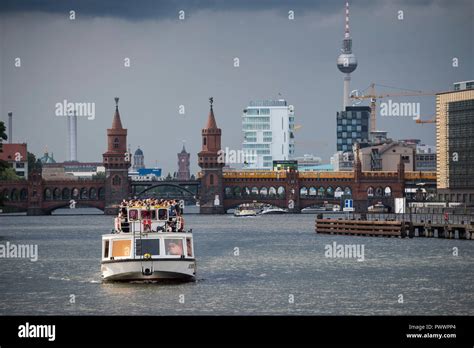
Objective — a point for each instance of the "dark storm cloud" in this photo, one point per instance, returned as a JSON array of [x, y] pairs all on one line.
[[148, 9]]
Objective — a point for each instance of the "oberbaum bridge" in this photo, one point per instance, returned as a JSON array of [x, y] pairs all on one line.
[[217, 190]]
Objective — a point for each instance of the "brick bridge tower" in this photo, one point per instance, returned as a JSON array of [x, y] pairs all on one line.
[[116, 162], [211, 200]]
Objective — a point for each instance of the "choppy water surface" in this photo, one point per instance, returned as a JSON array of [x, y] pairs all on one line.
[[278, 256]]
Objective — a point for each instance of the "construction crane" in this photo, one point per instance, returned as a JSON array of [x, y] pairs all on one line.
[[419, 121], [373, 100]]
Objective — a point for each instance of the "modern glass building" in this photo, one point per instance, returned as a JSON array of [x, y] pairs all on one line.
[[352, 127], [268, 132]]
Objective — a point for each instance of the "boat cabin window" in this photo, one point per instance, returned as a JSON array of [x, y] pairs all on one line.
[[148, 214], [162, 214], [174, 246], [106, 248], [147, 246], [133, 214], [121, 248], [189, 247]]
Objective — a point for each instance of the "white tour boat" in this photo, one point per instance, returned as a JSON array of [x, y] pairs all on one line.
[[273, 210], [244, 212], [148, 244]]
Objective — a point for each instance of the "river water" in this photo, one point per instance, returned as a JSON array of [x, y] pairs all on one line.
[[269, 265]]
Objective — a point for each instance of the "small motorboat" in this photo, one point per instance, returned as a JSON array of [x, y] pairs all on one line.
[[244, 212], [273, 210]]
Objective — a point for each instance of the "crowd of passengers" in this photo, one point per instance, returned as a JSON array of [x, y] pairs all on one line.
[[172, 219]]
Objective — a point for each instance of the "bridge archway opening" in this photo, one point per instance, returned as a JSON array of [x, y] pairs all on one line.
[[15, 195], [272, 192], [66, 194], [84, 193], [23, 194], [75, 193], [101, 193], [5, 195], [168, 191], [66, 208], [281, 192]]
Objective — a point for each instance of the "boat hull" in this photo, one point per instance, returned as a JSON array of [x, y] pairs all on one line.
[[149, 270]]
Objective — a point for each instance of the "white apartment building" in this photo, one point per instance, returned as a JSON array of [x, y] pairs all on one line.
[[268, 131]]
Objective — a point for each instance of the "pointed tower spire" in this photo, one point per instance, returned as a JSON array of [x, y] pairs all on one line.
[[211, 120], [117, 123]]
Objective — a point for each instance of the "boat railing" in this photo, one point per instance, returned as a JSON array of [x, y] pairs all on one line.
[[149, 223]]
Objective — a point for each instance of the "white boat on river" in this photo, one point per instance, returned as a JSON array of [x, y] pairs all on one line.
[[148, 244]]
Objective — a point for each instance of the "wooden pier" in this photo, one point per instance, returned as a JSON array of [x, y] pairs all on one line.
[[394, 228]]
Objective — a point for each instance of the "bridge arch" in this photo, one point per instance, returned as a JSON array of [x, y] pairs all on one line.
[[379, 192], [181, 188], [272, 192], [23, 194], [52, 206], [66, 194], [47, 194], [303, 191], [15, 195], [281, 192], [237, 192], [75, 193], [84, 194]]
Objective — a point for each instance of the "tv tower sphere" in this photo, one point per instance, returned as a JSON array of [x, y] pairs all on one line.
[[347, 62]]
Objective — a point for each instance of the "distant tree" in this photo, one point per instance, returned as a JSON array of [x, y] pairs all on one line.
[[193, 177], [8, 174], [168, 177], [3, 135], [33, 163], [98, 176]]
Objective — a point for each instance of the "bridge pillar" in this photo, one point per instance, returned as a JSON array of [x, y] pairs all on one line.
[[211, 160], [292, 191], [116, 162]]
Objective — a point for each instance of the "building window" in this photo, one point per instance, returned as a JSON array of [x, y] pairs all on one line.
[[211, 179], [116, 180], [204, 141], [116, 143]]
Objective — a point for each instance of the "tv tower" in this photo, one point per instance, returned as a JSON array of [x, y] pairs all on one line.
[[346, 62]]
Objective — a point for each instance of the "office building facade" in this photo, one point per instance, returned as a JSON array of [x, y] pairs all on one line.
[[268, 132], [455, 144], [352, 127]]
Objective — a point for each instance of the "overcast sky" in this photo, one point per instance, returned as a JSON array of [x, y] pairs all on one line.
[[184, 62]]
